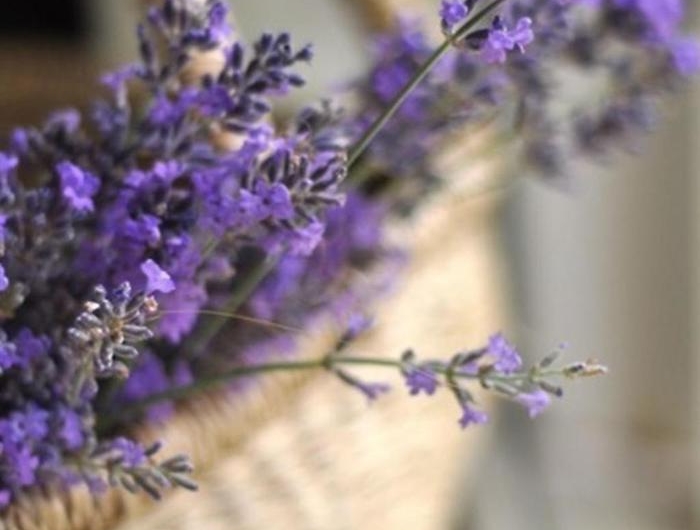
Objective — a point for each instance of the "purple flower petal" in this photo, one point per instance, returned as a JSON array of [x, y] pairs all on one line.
[[535, 402], [421, 379], [505, 356], [472, 416], [4, 280], [157, 280], [77, 186]]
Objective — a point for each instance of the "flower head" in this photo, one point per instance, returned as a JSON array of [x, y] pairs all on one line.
[[452, 13], [535, 402], [501, 40], [4, 280], [472, 416], [157, 280], [505, 356], [420, 379], [77, 186]]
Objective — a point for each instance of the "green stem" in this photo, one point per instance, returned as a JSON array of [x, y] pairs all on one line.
[[210, 327], [130, 410], [385, 116], [422, 72]]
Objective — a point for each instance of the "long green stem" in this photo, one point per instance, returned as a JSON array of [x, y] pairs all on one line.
[[422, 72], [391, 109], [326, 362], [202, 336]]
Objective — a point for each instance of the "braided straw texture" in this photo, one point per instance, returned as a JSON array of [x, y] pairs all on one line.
[[305, 452]]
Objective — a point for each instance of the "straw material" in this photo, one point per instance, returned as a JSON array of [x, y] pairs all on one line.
[[304, 451]]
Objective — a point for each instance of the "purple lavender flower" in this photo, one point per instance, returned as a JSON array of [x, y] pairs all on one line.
[[373, 390], [21, 464], [505, 356], [109, 327], [8, 353], [276, 199], [452, 13], [4, 280], [157, 280], [502, 40], [357, 324], [31, 347], [686, 56], [78, 186], [303, 241], [193, 186], [420, 379], [180, 311], [31, 424], [472, 416], [71, 430], [129, 453], [535, 402], [7, 164], [148, 377], [5, 497]]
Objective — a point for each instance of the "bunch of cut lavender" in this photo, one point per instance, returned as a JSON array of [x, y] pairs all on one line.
[[140, 242], [510, 71]]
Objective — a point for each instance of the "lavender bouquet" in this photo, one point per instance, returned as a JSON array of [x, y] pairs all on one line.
[[147, 249]]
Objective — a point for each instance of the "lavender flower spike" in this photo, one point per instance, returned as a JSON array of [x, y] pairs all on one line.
[[505, 356], [472, 416], [452, 13], [502, 40]]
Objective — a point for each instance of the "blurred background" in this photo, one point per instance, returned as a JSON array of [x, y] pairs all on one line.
[[607, 266]]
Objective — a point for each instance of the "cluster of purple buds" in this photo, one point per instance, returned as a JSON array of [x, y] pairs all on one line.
[[127, 464], [495, 368], [495, 41], [505, 69]]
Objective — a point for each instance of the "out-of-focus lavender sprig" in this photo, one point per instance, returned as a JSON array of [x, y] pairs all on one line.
[[507, 70], [125, 463], [496, 368]]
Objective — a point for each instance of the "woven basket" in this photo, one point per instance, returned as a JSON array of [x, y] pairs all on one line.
[[306, 452]]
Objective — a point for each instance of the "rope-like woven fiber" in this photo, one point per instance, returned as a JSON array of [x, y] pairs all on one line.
[[302, 451]]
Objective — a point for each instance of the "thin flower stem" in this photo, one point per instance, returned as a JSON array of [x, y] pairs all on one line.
[[381, 121], [422, 72], [232, 316], [327, 362], [203, 335], [127, 412]]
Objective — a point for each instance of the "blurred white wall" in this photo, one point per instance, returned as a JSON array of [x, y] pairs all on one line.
[[608, 268]]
